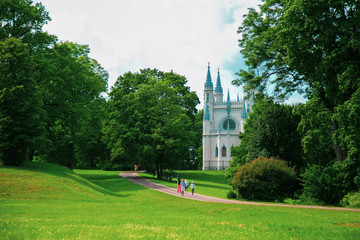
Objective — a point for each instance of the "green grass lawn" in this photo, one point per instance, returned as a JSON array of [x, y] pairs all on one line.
[[45, 201]]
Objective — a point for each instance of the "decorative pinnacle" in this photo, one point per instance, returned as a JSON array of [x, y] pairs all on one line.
[[218, 69], [208, 64]]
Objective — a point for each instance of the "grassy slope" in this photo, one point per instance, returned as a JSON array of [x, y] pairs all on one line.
[[100, 205]]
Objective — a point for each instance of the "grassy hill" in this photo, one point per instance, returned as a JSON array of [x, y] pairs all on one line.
[[47, 201]]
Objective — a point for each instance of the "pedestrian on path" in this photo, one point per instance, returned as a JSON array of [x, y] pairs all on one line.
[[192, 188], [182, 186], [178, 185], [186, 185]]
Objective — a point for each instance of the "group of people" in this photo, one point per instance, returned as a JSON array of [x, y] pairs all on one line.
[[183, 185]]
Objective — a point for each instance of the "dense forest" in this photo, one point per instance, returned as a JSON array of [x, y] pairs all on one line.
[[55, 105]]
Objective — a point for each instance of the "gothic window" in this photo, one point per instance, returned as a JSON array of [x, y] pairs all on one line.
[[229, 124], [207, 97], [223, 151], [216, 151]]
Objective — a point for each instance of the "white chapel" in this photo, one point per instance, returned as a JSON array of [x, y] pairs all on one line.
[[223, 120]]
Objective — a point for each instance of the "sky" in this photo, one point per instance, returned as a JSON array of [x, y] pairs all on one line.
[[178, 35]]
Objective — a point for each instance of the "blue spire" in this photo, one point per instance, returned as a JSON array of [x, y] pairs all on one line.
[[208, 84], [206, 113], [218, 88], [238, 99], [228, 103], [244, 113]]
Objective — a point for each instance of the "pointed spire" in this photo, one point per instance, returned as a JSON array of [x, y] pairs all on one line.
[[208, 84], [238, 99], [206, 113], [218, 88], [244, 113], [228, 103]]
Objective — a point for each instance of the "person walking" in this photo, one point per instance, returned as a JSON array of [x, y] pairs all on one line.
[[186, 185], [182, 187], [178, 185], [192, 186]]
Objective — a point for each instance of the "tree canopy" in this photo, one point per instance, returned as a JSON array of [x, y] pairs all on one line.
[[51, 107], [305, 46], [151, 114]]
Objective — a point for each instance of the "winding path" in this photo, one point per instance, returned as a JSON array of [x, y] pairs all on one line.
[[135, 178]]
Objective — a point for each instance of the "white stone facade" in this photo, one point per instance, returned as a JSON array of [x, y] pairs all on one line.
[[223, 120]]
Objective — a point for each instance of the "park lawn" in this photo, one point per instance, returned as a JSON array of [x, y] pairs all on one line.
[[44, 201], [210, 182]]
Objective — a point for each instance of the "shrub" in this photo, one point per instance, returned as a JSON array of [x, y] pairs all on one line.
[[231, 194], [325, 184], [351, 200], [265, 179]]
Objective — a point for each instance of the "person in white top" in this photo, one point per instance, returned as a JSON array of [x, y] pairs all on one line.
[[186, 185], [192, 188]]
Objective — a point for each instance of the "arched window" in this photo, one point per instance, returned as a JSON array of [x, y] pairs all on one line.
[[229, 124], [223, 151], [216, 152]]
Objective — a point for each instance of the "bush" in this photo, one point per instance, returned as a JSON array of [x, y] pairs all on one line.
[[231, 194], [326, 185], [265, 179], [351, 200]]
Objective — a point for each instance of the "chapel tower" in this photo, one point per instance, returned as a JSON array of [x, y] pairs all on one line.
[[223, 120]]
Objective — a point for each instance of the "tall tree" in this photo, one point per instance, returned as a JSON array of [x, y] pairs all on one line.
[[20, 106], [305, 46], [72, 84], [151, 117]]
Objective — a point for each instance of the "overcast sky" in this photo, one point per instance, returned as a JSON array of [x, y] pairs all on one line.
[[178, 35]]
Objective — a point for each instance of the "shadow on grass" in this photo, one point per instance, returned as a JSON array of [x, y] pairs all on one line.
[[102, 182]]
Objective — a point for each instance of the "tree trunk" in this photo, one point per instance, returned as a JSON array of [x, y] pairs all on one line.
[[157, 168], [340, 154]]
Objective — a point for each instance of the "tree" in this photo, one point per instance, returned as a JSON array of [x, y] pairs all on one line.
[[270, 131], [21, 19], [20, 106], [304, 46], [151, 114], [71, 84]]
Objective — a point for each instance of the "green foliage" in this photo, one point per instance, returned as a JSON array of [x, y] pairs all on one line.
[[348, 117], [327, 184], [270, 132], [151, 120], [20, 104], [22, 19], [305, 47], [51, 109], [231, 194], [351, 200], [315, 131], [265, 179], [75, 110]]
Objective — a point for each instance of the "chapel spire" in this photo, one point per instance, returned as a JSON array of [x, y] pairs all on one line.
[[218, 89], [244, 112], [208, 84]]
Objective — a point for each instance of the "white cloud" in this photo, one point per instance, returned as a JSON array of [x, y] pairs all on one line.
[[165, 34]]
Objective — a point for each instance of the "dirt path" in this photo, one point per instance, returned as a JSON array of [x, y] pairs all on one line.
[[135, 178]]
